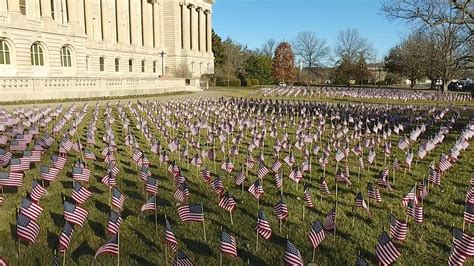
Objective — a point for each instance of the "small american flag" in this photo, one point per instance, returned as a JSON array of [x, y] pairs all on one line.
[[58, 162], [329, 222], [206, 175], [228, 166], [340, 177], [217, 185], [37, 191], [316, 234], [191, 213], [115, 220], [169, 236], [227, 202], [27, 229], [151, 185], [373, 192], [415, 210], [411, 195], [66, 236], [80, 194], [240, 178], [292, 255], [74, 214], [117, 199], [281, 210], [19, 165], [262, 171], [182, 193], [276, 166], [109, 179], [386, 251], [181, 260], [256, 189], [279, 180], [360, 202], [30, 209], [398, 228], [49, 174], [463, 242], [228, 244], [323, 186], [81, 174], [307, 196], [263, 227], [469, 213], [150, 204], [111, 247], [456, 257]]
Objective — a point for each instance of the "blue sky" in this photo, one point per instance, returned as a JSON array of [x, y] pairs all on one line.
[[251, 22]]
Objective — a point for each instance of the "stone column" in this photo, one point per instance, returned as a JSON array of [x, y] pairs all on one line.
[[191, 26], [209, 32], [147, 27], [185, 29], [133, 19], [46, 9], [198, 29], [32, 10], [202, 30], [88, 23], [156, 10], [13, 6]]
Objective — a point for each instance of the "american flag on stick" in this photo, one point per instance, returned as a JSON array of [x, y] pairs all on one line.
[[398, 228], [30, 209], [49, 173], [74, 214], [80, 194], [228, 244], [66, 236], [149, 204], [263, 227], [227, 202], [115, 220], [191, 213], [292, 255], [386, 251], [169, 236], [37, 191], [27, 229], [110, 247], [117, 199], [181, 259], [316, 234]]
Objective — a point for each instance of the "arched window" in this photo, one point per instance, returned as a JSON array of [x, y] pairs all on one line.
[[130, 65], [4, 53], [117, 64], [102, 64], [37, 56], [143, 66], [66, 57]]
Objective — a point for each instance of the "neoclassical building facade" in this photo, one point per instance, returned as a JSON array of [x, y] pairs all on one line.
[[107, 44]]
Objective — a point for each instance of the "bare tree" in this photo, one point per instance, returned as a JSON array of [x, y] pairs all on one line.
[[311, 49], [432, 12], [351, 46], [234, 63], [268, 48], [450, 23]]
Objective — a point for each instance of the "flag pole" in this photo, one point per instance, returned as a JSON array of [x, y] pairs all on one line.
[[156, 217], [166, 248], [64, 257], [303, 210], [280, 225], [118, 243], [203, 224], [220, 253], [314, 251]]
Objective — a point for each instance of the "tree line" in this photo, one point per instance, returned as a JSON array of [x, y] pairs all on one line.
[[440, 47]]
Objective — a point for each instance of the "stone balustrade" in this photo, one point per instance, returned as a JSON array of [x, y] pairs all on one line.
[[17, 89]]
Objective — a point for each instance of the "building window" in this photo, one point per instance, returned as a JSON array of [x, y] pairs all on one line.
[[66, 57], [102, 64], [37, 56], [4, 53], [154, 66], [143, 66], [52, 9], [88, 60], [23, 6], [117, 65], [130, 65]]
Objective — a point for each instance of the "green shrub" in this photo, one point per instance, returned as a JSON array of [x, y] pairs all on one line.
[[246, 82], [235, 83], [255, 82]]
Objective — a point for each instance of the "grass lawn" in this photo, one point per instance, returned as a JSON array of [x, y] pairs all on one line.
[[429, 242]]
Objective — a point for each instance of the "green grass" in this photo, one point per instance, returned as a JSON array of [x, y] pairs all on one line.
[[141, 245]]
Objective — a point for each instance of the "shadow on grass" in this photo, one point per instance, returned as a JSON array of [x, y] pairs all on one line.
[[98, 228], [83, 249], [58, 219], [52, 240], [197, 247], [102, 206], [140, 260], [145, 240], [66, 184]]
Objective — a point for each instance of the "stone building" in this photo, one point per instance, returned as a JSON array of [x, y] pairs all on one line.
[[84, 48]]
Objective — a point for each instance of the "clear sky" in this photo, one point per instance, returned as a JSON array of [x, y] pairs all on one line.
[[251, 22]]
